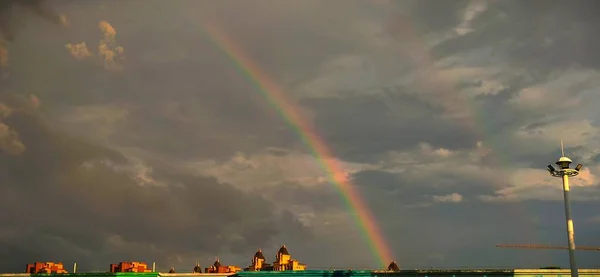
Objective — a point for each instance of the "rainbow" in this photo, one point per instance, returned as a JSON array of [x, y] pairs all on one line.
[[277, 98]]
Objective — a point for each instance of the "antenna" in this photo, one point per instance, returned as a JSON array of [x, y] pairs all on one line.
[[562, 148]]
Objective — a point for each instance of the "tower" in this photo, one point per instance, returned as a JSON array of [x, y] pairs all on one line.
[[565, 172], [258, 260]]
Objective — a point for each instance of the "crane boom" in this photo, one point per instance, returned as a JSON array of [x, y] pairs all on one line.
[[541, 246]]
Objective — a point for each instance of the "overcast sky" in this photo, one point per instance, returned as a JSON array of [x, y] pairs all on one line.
[[126, 134]]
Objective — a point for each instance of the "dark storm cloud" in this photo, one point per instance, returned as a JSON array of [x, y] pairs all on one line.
[[431, 15], [290, 37], [361, 127], [496, 114], [97, 214], [61, 192], [9, 16], [182, 99], [208, 87], [211, 111], [458, 234], [541, 36], [543, 158], [322, 198], [411, 190], [595, 159], [184, 86], [405, 208]]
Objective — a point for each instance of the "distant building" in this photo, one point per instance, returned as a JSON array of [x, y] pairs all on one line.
[[129, 267], [258, 262], [217, 267], [197, 268], [47, 267], [233, 269], [393, 267], [284, 261]]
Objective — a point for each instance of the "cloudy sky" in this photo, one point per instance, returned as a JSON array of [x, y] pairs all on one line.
[[126, 133]]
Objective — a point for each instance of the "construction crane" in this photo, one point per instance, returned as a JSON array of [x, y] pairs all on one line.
[[541, 246]]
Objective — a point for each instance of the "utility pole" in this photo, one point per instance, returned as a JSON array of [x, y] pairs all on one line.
[[565, 172]]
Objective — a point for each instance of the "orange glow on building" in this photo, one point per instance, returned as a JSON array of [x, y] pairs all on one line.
[[283, 261], [217, 267], [129, 267], [47, 267], [258, 262]]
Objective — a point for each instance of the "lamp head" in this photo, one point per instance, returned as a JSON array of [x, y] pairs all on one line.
[[564, 162]]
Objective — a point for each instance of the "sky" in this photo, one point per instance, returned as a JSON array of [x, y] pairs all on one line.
[[138, 130]]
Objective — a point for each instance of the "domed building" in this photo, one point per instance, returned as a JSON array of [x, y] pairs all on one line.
[[258, 262], [217, 267], [284, 261]]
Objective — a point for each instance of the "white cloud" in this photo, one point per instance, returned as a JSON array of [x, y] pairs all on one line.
[[449, 198], [537, 184], [437, 82], [427, 161], [413, 68], [339, 75], [560, 94], [572, 132], [104, 118], [426, 149], [306, 218], [135, 168], [512, 184], [474, 8], [266, 169]]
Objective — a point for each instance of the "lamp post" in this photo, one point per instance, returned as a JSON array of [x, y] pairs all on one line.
[[565, 172]]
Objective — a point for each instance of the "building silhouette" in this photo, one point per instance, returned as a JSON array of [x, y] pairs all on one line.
[[197, 268], [393, 267]]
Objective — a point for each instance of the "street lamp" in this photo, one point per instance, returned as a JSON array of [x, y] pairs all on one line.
[[565, 172]]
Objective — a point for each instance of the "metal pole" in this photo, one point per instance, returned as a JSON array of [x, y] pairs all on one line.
[[570, 229], [565, 172]]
